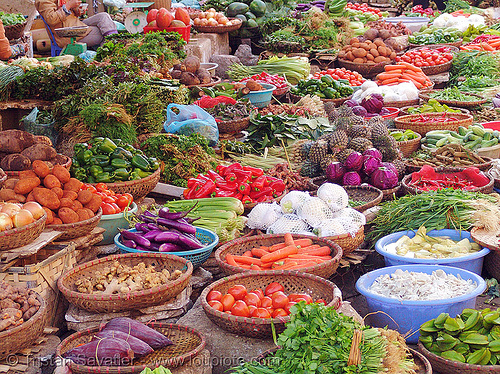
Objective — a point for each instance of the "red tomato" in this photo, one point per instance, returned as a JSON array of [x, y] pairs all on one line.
[[258, 292], [279, 313], [300, 296], [227, 301], [108, 209], [279, 300], [321, 301], [266, 302], [217, 305], [261, 313], [238, 291], [214, 295], [240, 309], [289, 305], [117, 208], [252, 299], [101, 187], [273, 287], [252, 309], [109, 199], [122, 201]]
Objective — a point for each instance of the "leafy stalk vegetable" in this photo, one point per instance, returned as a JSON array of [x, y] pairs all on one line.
[[474, 63], [9, 19], [452, 93]]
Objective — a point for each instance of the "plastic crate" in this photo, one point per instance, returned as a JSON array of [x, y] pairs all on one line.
[[184, 31]]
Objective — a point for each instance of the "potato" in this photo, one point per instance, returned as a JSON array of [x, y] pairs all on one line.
[[46, 198], [43, 140], [365, 46], [62, 174], [371, 34], [76, 205], [84, 196], [59, 192], [374, 52], [30, 197], [95, 203], [51, 181], [39, 151], [353, 40], [58, 160], [359, 53], [380, 59], [66, 203], [84, 214], [67, 215], [27, 174], [15, 141], [50, 215], [379, 42], [40, 168], [26, 185], [358, 60], [393, 55], [342, 54], [57, 221], [70, 194], [15, 162], [73, 185], [10, 183], [370, 57], [382, 51], [356, 45], [7, 194], [350, 56]]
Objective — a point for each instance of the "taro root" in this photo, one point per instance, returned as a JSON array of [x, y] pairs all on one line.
[[189, 78], [204, 76]]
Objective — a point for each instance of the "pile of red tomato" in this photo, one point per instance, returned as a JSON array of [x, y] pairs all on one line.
[[427, 57], [112, 203], [273, 302], [364, 8], [354, 78]]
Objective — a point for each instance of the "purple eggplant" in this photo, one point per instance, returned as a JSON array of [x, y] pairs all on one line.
[[137, 238], [170, 247], [151, 235], [155, 246], [188, 242], [152, 226], [165, 213], [189, 220], [128, 243], [184, 227], [142, 227], [167, 237]]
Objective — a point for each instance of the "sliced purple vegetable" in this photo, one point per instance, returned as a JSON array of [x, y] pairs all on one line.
[[170, 247], [137, 238]]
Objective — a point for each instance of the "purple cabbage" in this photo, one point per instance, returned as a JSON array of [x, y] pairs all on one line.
[[359, 111], [373, 103], [373, 152], [335, 171], [384, 178], [390, 166], [354, 162], [351, 178], [351, 103], [371, 164]]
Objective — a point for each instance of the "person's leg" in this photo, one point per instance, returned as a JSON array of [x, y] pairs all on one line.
[[101, 25], [93, 38]]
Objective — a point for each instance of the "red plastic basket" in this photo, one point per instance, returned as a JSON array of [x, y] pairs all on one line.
[[184, 31]]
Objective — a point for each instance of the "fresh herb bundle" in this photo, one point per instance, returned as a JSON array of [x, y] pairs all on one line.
[[474, 63]]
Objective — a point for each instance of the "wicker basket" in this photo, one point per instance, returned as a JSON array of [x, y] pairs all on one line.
[[391, 193], [401, 104], [444, 366], [3, 177], [97, 303], [15, 173], [347, 242], [413, 190], [496, 181], [234, 126], [437, 69], [23, 235], [404, 110], [410, 168], [23, 336], [485, 238], [492, 264], [215, 80], [218, 29], [188, 343], [424, 95], [137, 188], [293, 282], [407, 147], [77, 229], [412, 122], [366, 70], [13, 32], [241, 245]]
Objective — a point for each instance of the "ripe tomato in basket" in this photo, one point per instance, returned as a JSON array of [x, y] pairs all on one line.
[[273, 287], [238, 291]]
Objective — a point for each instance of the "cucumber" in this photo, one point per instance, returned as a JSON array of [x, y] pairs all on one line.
[[487, 136], [441, 142], [478, 130], [495, 133], [438, 132], [462, 130], [473, 144], [456, 135], [432, 141], [475, 137], [489, 143], [454, 140]]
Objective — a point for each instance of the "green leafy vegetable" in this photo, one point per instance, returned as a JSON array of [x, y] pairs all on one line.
[[9, 19]]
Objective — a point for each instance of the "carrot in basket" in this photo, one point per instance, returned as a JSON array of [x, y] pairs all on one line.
[[247, 254], [277, 246], [309, 247], [410, 66], [393, 68], [303, 243], [304, 265], [385, 82], [285, 266], [322, 251], [247, 260], [230, 260], [280, 254], [289, 240], [388, 75], [259, 252], [309, 257], [487, 47]]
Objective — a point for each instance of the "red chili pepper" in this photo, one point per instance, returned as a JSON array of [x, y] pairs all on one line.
[[224, 193], [256, 172], [232, 168], [214, 176], [259, 183], [242, 174], [244, 188], [278, 186], [220, 169], [206, 190], [203, 177], [239, 196], [231, 177], [228, 186], [247, 200], [263, 192]]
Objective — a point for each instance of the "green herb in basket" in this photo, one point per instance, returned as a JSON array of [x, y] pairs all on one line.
[[432, 106], [452, 94]]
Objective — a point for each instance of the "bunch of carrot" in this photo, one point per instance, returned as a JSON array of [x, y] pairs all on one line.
[[289, 255], [403, 72], [491, 45]]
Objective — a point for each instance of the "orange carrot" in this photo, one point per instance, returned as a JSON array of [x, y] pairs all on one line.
[[487, 47], [393, 68], [285, 266], [277, 246], [309, 257], [289, 240], [323, 251], [304, 260], [384, 76], [303, 242], [414, 77], [389, 81], [410, 66], [255, 267], [280, 253], [266, 265], [259, 252], [494, 42], [304, 265], [230, 260], [247, 260], [247, 254], [309, 247], [244, 266]]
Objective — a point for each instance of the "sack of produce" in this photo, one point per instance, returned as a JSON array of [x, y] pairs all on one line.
[[40, 123]]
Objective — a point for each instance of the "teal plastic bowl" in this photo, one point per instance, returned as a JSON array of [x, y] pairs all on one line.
[[261, 99], [113, 222]]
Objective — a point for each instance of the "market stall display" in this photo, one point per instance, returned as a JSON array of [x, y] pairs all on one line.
[[453, 97], [428, 122], [327, 88], [20, 224]]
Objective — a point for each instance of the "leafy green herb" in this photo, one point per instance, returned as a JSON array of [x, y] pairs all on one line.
[[9, 19], [477, 83], [474, 63], [453, 94]]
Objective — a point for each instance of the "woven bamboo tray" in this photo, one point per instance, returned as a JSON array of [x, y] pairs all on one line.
[[23, 235], [14, 31], [444, 366], [366, 70], [218, 29], [234, 126], [15, 173], [407, 147], [424, 95], [404, 111], [241, 245], [293, 282], [97, 303], [401, 104], [215, 80], [413, 190], [188, 343], [410, 168], [23, 336], [137, 188], [347, 242], [77, 229], [412, 122], [488, 239], [497, 181]]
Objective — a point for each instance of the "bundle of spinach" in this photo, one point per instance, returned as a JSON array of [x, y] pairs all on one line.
[[477, 84], [474, 63], [9, 19]]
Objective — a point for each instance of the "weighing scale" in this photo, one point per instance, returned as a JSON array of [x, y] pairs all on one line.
[[136, 21], [73, 48]]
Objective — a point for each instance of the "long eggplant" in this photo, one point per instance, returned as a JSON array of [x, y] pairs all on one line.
[[170, 247], [137, 238], [103, 352], [139, 347], [142, 227], [152, 337], [129, 243], [151, 235], [184, 227], [165, 213]]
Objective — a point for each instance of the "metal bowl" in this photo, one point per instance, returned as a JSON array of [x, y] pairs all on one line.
[[71, 32]]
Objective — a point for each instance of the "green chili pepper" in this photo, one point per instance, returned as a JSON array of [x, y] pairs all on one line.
[[119, 163], [107, 146], [142, 173], [154, 164], [122, 174], [141, 162], [108, 169], [134, 176], [122, 153], [104, 178]]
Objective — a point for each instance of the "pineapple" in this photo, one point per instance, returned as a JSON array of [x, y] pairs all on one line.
[[379, 128], [360, 131], [400, 167], [318, 151], [329, 107], [343, 154], [297, 152], [360, 144], [310, 169], [305, 148], [337, 140], [327, 161]]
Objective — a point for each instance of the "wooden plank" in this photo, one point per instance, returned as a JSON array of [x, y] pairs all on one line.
[[168, 190], [26, 104]]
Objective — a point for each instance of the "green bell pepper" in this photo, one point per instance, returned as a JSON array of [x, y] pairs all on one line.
[[122, 153], [134, 176], [80, 147], [129, 148], [119, 163], [107, 146], [95, 170], [142, 173], [327, 79], [104, 178], [108, 169], [330, 93], [101, 160], [78, 173], [122, 174], [140, 162], [91, 179], [154, 164], [83, 156]]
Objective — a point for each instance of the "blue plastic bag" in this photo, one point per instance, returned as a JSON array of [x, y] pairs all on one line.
[[191, 119]]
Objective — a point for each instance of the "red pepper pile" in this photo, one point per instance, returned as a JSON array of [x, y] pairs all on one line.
[[245, 183], [443, 119], [428, 180], [276, 80], [424, 12], [209, 102], [364, 8]]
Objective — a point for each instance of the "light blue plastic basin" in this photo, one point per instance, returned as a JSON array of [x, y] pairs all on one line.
[[410, 315], [261, 99], [113, 222]]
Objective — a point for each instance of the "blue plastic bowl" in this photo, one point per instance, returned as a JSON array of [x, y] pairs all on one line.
[[410, 315], [261, 99], [196, 256], [472, 262], [112, 222]]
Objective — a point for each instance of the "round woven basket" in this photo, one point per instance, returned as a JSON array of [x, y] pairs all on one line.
[[3, 177], [23, 336], [241, 245], [497, 181], [218, 29], [412, 122], [188, 343], [410, 168], [234, 126], [366, 70], [77, 229], [402, 104], [15, 173], [424, 95], [407, 147], [413, 190], [337, 102], [347, 242], [404, 110], [486, 238], [293, 282], [137, 188], [444, 366], [390, 194], [98, 303], [437, 69], [14, 31], [215, 80], [18, 237]]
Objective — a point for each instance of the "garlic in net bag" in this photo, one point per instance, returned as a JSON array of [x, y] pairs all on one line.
[[292, 200], [263, 215], [314, 211], [289, 223], [334, 196], [351, 219], [330, 227]]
